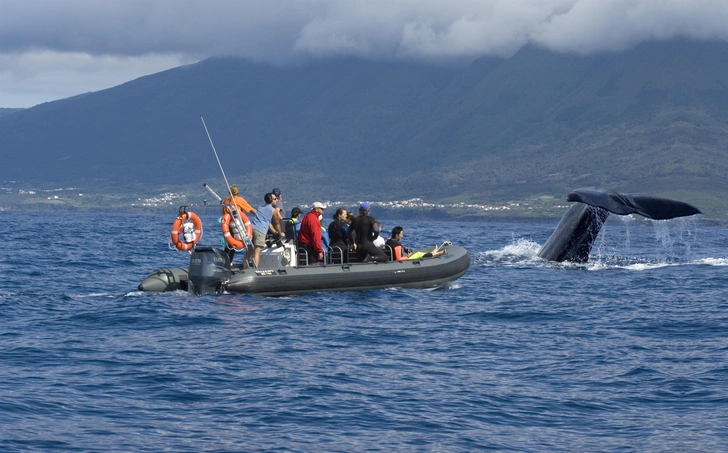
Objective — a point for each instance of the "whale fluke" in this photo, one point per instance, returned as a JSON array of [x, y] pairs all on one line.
[[574, 235], [623, 204]]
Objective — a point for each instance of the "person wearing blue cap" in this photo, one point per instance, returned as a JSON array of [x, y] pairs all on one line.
[[277, 193], [279, 206], [362, 233]]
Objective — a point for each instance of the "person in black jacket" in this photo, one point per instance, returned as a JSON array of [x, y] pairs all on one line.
[[364, 229], [399, 252], [339, 236], [293, 224]]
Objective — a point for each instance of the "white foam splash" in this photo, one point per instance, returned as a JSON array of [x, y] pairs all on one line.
[[647, 266], [633, 264], [713, 261], [520, 251], [445, 287], [175, 293]]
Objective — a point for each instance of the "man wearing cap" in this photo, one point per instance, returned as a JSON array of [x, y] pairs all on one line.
[[260, 222], [309, 236], [278, 205], [362, 232]]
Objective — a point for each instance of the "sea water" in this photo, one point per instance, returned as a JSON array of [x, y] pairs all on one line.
[[628, 352]]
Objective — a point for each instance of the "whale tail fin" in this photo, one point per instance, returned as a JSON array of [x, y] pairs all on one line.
[[623, 204], [574, 235]]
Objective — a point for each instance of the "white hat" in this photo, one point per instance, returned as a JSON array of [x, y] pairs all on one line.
[[318, 204]]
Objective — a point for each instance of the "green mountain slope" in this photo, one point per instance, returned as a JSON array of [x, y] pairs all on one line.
[[652, 120], [4, 111]]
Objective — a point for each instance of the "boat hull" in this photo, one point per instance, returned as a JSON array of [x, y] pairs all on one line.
[[283, 281]]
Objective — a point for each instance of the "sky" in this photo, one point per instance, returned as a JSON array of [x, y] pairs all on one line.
[[54, 49]]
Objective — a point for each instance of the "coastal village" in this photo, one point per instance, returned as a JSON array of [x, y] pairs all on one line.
[[413, 203], [73, 198]]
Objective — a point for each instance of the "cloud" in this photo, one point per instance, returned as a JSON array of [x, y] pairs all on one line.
[[34, 77], [40, 38], [276, 30], [495, 28], [616, 25], [250, 28]]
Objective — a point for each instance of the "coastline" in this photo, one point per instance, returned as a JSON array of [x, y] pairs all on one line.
[[540, 207], [415, 208]]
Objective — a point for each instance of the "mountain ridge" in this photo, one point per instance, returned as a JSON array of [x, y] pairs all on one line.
[[653, 119]]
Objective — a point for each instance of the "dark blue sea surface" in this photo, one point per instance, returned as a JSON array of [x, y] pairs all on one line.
[[626, 353]]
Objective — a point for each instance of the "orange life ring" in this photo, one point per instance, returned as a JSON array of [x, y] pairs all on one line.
[[229, 238], [177, 230]]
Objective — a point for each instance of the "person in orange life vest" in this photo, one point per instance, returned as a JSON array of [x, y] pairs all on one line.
[[309, 236], [399, 252], [240, 202], [243, 206]]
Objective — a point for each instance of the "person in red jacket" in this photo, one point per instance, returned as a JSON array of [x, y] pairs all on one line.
[[309, 236]]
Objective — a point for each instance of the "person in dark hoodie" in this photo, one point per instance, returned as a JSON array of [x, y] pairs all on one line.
[[293, 225], [338, 230], [362, 232], [338, 236]]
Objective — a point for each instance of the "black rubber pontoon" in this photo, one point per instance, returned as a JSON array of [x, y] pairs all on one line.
[[211, 272]]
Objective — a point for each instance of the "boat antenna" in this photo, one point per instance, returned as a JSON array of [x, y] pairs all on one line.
[[218, 159], [217, 197], [233, 209]]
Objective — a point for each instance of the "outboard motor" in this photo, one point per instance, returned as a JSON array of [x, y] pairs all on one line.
[[209, 270]]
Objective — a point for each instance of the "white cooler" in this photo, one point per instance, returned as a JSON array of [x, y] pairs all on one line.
[[276, 257]]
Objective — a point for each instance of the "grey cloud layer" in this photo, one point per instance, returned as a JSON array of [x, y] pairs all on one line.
[[276, 30], [51, 49]]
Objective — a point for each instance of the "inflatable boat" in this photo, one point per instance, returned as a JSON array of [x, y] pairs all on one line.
[[283, 270], [279, 273]]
